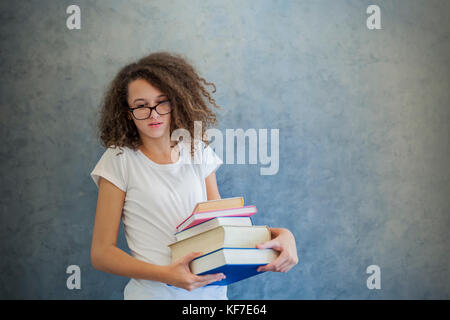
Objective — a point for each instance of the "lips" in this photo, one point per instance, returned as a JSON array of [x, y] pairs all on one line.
[[154, 123]]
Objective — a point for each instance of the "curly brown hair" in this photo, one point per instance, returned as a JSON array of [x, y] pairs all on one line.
[[173, 75]]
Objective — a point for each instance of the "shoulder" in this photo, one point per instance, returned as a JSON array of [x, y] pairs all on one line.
[[121, 152], [116, 154], [113, 167]]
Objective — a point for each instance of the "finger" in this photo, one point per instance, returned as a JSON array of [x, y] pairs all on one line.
[[274, 244], [286, 269], [274, 264], [213, 280], [207, 279], [288, 266], [267, 267], [262, 269], [189, 257], [283, 266]]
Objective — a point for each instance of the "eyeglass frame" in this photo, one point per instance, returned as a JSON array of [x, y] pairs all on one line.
[[151, 109]]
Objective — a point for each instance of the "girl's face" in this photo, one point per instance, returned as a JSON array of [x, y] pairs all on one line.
[[142, 93]]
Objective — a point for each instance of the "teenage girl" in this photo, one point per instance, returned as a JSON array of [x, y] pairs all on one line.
[[152, 183]]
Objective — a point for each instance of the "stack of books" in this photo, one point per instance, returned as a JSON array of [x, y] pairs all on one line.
[[224, 232]]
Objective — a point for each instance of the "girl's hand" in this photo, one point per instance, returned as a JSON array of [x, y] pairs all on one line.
[[284, 242], [178, 274]]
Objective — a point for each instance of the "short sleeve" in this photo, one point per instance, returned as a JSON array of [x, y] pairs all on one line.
[[210, 160], [111, 166]]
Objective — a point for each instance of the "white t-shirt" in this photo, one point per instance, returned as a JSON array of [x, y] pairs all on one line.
[[158, 198]]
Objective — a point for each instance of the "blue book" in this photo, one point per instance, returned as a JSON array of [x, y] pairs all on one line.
[[236, 263]]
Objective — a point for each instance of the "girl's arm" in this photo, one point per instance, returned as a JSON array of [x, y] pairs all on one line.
[[212, 190], [105, 255]]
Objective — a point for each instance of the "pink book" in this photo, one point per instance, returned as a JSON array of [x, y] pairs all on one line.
[[199, 217]]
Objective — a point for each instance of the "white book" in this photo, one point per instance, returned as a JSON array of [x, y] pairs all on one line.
[[211, 224], [221, 237]]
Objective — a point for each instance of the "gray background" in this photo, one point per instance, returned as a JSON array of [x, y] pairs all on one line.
[[364, 136]]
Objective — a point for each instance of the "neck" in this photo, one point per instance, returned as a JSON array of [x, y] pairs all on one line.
[[159, 148]]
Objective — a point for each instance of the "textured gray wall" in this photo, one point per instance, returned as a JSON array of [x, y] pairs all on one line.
[[364, 136]]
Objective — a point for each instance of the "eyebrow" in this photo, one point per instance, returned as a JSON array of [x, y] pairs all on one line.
[[161, 95]]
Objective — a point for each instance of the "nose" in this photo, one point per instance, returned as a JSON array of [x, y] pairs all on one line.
[[154, 115]]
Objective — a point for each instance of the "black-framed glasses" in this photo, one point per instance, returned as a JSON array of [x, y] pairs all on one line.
[[143, 112]]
